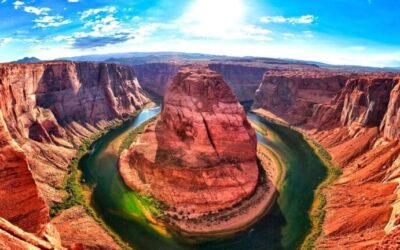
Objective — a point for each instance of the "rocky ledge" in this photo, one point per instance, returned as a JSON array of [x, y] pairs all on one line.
[[199, 158]]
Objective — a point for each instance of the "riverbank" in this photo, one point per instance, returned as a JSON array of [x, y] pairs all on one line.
[[228, 221], [317, 211], [80, 195]]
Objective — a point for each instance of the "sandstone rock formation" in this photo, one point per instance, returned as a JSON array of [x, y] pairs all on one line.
[[359, 128], [49, 108], [200, 156], [243, 76], [243, 79], [292, 94], [78, 229], [155, 77]]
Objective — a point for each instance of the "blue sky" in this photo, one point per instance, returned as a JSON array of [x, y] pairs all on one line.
[[362, 32]]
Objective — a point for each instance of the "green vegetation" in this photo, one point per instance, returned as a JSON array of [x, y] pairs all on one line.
[[128, 140], [317, 213], [74, 189], [72, 183]]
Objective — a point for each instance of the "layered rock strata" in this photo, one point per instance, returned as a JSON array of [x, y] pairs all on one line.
[[47, 110], [358, 126], [243, 77], [293, 94], [200, 156]]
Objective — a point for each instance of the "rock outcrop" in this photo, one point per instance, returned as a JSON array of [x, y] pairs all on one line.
[[79, 230], [46, 110], [358, 126], [200, 156], [24, 216]]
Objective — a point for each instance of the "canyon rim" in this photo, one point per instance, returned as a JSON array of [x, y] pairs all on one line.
[[199, 124]]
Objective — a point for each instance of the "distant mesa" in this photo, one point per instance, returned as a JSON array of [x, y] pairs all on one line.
[[28, 60]]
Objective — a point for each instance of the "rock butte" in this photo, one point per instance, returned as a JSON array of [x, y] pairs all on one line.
[[200, 156], [46, 111]]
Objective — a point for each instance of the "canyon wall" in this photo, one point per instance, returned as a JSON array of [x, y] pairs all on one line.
[[155, 77], [243, 78], [292, 94], [355, 117], [49, 109]]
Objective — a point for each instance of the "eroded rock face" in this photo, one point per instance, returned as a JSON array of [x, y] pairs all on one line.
[[243, 79], [359, 127], [81, 231], [391, 121], [20, 201], [200, 156], [156, 76], [49, 108], [293, 94]]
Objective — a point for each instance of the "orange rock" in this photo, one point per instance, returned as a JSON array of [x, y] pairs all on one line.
[[358, 126], [200, 156]]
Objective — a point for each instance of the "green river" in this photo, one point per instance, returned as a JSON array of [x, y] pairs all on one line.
[[283, 227]]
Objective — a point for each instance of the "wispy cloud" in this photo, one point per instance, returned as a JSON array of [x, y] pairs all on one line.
[[4, 41], [50, 21], [36, 11], [18, 4], [30, 9], [73, 1], [306, 19], [91, 12]]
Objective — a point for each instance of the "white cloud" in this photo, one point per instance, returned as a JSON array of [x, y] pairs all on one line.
[[18, 4], [4, 41], [103, 26], [3, 1], [30, 9], [306, 19], [50, 21], [357, 48], [91, 12], [73, 1], [36, 11]]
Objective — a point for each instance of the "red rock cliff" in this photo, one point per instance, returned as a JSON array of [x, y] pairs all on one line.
[[200, 156], [49, 109], [243, 77], [359, 128], [292, 94]]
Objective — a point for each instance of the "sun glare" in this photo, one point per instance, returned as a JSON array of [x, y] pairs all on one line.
[[215, 16]]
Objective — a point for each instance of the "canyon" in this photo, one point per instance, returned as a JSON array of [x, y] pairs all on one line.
[[49, 109], [199, 158], [355, 117]]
